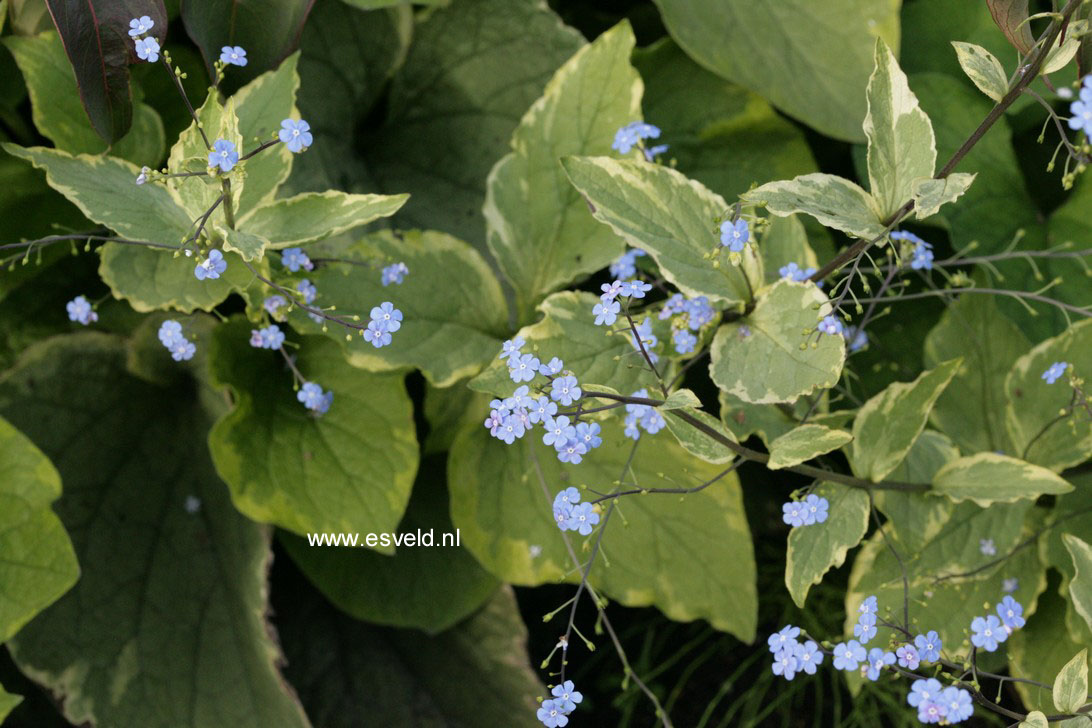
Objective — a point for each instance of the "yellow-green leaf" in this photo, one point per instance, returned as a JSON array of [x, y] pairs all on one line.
[[834, 201], [989, 478], [816, 549], [804, 443], [313, 216], [1080, 586], [983, 68], [1071, 685]]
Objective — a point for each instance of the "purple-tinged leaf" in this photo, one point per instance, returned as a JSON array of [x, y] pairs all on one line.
[[1011, 17]]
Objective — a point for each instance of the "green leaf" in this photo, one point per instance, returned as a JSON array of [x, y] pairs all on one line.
[[1080, 586], [1040, 649], [771, 49], [1032, 413], [901, 145], [249, 247], [887, 424], [501, 525], [268, 29], [39, 564], [764, 357], [476, 671], [8, 702], [156, 279], [833, 201], [672, 218], [697, 442], [1071, 684], [170, 568], [814, 550], [971, 409], [1072, 511], [989, 478], [915, 519], [446, 582], [448, 122], [1065, 47], [805, 443], [1035, 719], [932, 194], [785, 241], [983, 68], [743, 419], [449, 336], [313, 216], [567, 330], [198, 192], [679, 399], [350, 470], [58, 113], [261, 105], [538, 228], [105, 190]]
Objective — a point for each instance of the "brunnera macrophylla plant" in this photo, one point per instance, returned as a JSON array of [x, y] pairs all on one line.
[[598, 367]]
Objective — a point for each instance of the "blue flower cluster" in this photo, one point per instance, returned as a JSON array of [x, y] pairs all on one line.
[[631, 135], [170, 335], [687, 315], [936, 703], [792, 656], [147, 49], [270, 337], [313, 398], [606, 311], [644, 415], [1055, 371], [572, 515], [625, 265], [394, 273], [273, 304], [554, 712], [294, 259], [1082, 109], [832, 326], [79, 310], [734, 234], [385, 320], [990, 631], [211, 267], [922, 257], [807, 512]]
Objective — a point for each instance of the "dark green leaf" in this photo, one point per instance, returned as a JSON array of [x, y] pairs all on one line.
[[269, 30]]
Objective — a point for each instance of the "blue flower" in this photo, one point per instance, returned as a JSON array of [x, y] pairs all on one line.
[[847, 656], [140, 26], [271, 337], [570, 451], [652, 152], [734, 235], [630, 134], [785, 663], [958, 703], [567, 498], [510, 347], [869, 606], [831, 326], [923, 252], [786, 637], [296, 135], [985, 545], [1008, 586], [684, 341], [170, 335], [386, 313], [987, 633], [377, 334], [274, 303], [675, 304], [211, 267], [565, 390], [232, 56], [551, 369], [877, 661], [557, 429], [588, 433], [924, 691], [857, 338], [699, 312], [79, 309], [567, 696], [582, 518], [634, 289], [522, 368], [865, 628], [808, 655], [294, 258], [908, 657], [606, 313], [1011, 613], [648, 339], [551, 714], [929, 646], [314, 399], [393, 273], [542, 409], [815, 509], [652, 421], [793, 513], [793, 272], [1055, 371], [307, 290], [625, 265], [223, 155], [168, 331], [511, 428], [1081, 110], [147, 49], [610, 291], [521, 398], [931, 712]]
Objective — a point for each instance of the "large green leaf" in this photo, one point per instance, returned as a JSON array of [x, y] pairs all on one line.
[[501, 500], [58, 113], [39, 564], [989, 478], [169, 567], [454, 313], [816, 549], [887, 424], [471, 73], [568, 331], [155, 279], [901, 146], [538, 228], [268, 29], [446, 582], [971, 409], [1071, 684], [915, 519], [350, 470], [672, 218], [316, 215], [1080, 586], [475, 673], [772, 49], [832, 200], [1032, 413], [804, 443], [764, 357], [105, 190]]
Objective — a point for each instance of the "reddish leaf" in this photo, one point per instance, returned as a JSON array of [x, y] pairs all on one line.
[[96, 38], [1010, 16]]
